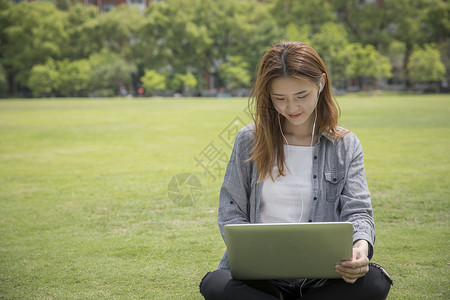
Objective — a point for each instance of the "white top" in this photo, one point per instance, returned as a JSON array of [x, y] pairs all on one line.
[[288, 198]]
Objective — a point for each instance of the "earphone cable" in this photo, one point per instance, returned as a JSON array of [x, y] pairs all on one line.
[[311, 146]]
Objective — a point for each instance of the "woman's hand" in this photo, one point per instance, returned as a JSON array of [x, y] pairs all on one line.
[[356, 268]]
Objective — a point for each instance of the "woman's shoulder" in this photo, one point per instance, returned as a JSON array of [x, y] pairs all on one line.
[[344, 138], [246, 133], [244, 138], [346, 134], [345, 145]]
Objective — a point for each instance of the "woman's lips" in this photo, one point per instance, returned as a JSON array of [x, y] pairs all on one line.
[[294, 116]]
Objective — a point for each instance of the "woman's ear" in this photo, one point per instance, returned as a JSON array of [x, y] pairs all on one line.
[[322, 82]]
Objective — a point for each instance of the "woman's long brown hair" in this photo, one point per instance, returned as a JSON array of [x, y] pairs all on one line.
[[301, 61]]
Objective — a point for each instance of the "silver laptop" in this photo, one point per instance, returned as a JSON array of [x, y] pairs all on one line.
[[288, 250]]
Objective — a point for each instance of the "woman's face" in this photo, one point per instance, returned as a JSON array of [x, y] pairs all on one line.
[[295, 99]]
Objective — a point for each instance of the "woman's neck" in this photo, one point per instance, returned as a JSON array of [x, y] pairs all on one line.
[[300, 135]]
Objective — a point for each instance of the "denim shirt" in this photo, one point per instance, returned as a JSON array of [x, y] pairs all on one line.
[[340, 192]]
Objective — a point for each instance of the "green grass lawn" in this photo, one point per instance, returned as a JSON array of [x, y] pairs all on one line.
[[85, 211]]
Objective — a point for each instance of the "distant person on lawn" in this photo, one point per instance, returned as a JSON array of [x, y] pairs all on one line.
[[295, 164]]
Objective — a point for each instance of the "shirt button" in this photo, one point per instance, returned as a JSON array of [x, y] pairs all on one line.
[[315, 156], [315, 198], [314, 176], [310, 221], [334, 179]]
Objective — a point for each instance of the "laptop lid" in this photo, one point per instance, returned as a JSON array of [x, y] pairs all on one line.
[[288, 250]]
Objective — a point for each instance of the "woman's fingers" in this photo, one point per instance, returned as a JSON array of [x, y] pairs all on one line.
[[357, 267], [350, 274]]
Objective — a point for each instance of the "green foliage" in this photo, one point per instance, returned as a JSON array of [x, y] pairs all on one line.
[[32, 40], [404, 19], [153, 81], [396, 53], [223, 39], [102, 74], [63, 4], [174, 38], [83, 29], [437, 20], [4, 4], [312, 13], [74, 77], [43, 79], [409, 22], [296, 33], [3, 82], [185, 82], [235, 73], [110, 72], [198, 36], [364, 23], [347, 60], [330, 39], [366, 61], [189, 80], [425, 65], [331, 43], [118, 30]]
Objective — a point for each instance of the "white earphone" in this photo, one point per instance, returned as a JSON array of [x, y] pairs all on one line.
[[311, 144]]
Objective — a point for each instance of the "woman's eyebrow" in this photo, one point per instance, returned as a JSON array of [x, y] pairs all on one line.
[[298, 93]]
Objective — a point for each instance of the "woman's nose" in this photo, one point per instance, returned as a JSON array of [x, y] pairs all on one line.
[[291, 105]]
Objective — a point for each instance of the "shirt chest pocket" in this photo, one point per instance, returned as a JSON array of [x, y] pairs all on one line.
[[333, 184]]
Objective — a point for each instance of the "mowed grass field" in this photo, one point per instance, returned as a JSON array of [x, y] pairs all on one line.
[[85, 210]]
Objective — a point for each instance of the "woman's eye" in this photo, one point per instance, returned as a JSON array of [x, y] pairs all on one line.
[[279, 99], [302, 96]]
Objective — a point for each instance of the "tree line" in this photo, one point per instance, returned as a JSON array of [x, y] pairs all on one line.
[[68, 49]]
